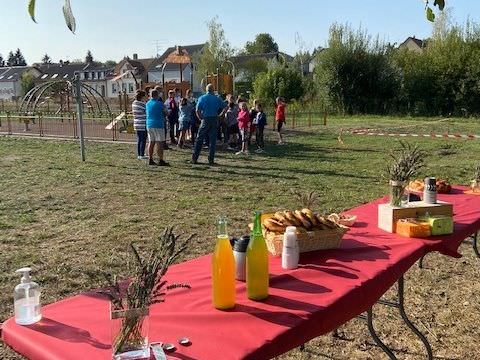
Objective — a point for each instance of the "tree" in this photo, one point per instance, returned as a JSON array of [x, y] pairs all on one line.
[[27, 82], [279, 81], [110, 64], [355, 74], [19, 59], [89, 57], [11, 59], [46, 59], [263, 44], [2, 63], [248, 72], [216, 51]]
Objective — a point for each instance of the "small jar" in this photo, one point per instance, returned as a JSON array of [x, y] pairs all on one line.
[[240, 255], [430, 191], [290, 251], [397, 189]]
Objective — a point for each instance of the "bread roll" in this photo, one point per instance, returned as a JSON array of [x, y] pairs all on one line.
[[311, 216], [292, 219], [303, 219], [274, 225]]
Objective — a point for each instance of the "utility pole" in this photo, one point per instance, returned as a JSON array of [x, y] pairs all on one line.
[[78, 97]]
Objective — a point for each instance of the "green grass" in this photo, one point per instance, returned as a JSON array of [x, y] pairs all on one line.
[[72, 221]]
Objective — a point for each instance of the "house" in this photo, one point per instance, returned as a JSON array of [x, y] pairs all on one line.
[[91, 74], [10, 81], [413, 44], [166, 70], [129, 75]]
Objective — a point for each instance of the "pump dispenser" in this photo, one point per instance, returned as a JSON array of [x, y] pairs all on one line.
[[27, 299]]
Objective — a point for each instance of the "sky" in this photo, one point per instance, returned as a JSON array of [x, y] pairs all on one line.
[[114, 29]]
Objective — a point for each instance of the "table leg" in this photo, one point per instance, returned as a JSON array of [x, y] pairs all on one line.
[[420, 262], [375, 337], [400, 306], [475, 245]]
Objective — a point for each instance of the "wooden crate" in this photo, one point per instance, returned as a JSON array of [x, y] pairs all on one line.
[[388, 215]]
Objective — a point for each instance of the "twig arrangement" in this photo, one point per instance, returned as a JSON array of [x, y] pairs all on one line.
[[307, 200], [406, 162], [145, 288]]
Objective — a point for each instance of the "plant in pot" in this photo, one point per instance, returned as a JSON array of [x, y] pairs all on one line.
[[130, 300], [406, 163], [475, 183]]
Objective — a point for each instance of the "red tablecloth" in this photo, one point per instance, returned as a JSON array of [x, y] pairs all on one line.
[[330, 288]]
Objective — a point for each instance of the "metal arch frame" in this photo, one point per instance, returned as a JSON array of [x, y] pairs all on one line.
[[31, 99], [100, 96]]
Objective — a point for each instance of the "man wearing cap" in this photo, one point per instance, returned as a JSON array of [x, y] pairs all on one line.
[[209, 108]]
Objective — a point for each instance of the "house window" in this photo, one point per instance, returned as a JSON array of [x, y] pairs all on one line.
[[86, 75], [114, 88], [124, 87], [130, 88], [44, 76], [94, 75], [54, 76]]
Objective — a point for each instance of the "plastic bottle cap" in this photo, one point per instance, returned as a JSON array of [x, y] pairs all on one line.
[[25, 274]]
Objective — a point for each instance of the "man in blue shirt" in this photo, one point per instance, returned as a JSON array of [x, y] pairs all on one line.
[[209, 109], [156, 127]]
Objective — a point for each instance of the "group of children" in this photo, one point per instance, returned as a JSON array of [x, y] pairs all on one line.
[[242, 124], [237, 127]]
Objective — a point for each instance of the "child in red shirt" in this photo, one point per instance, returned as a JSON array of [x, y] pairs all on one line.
[[244, 125], [280, 117]]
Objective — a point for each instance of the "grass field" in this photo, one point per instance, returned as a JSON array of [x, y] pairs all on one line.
[[74, 220]]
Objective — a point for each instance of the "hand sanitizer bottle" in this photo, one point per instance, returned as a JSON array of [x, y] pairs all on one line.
[[290, 251], [27, 299]]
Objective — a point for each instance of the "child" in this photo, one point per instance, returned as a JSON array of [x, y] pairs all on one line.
[[253, 116], [243, 124], [260, 122], [185, 120], [232, 125], [280, 118]]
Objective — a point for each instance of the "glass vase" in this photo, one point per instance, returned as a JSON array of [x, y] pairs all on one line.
[[397, 190], [130, 334], [475, 186]]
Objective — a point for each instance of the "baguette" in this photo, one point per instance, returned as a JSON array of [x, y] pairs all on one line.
[[303, 219], [292, 219], [274, 225], [311, 216]]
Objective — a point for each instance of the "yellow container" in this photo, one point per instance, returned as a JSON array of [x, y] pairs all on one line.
[[257, 263], [413, 228], [223, 271]]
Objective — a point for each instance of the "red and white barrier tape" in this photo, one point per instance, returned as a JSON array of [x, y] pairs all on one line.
[[434, 136]]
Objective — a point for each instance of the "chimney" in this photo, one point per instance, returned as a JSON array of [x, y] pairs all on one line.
[[177, 48], [135, 56]]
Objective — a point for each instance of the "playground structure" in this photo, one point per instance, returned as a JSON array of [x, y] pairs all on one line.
[[61, 95]]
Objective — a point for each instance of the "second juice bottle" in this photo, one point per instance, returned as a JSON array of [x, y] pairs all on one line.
[[257, 262]]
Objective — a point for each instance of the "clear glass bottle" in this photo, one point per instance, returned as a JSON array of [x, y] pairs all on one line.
[[27, 299], [257, 262], [223, 270]]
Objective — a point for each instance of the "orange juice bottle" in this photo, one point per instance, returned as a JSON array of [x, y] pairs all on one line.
[[223, 270], [257, 262]]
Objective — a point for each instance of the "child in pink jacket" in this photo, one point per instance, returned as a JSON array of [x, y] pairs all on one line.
[[244, 125]]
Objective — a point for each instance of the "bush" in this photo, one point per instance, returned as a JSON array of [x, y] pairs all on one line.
[[355, 74], [278, 81]]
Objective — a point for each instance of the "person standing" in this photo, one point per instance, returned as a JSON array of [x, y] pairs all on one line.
[[253, 116], [244, 127], [209, 108], [185, 121], [156, 112], [280, 118], [140, 123], [260, 122], [172, 109]]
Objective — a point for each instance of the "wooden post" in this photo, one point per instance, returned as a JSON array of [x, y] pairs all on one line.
[[9, 123], [78, 95], [310, 119], [40, 124], [325, 118], [120, 100], [125, 101]]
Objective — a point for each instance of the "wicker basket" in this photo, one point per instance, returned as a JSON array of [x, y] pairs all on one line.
[[307, 241]]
